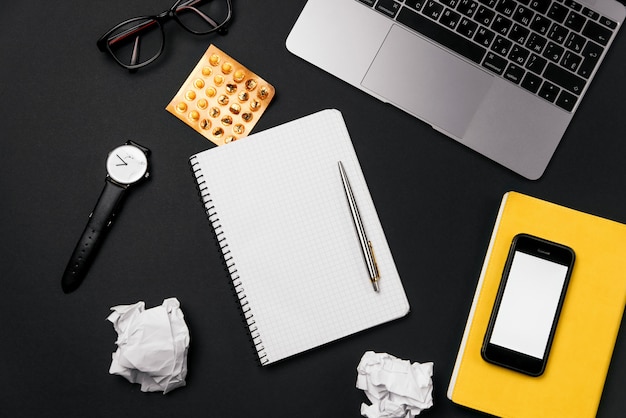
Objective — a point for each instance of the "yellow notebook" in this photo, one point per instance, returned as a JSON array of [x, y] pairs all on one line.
[[572, 383]]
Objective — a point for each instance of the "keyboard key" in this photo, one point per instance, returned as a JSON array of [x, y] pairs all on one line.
[[441, 35], [484, 16], [590, 13], [495, 63], [608, 22], [501, 46], [484, 36], [575, 42], [388, 7], [536, 43], [566, 100], [531, 82], [514, 73], [557, 33], [557, 12], [536, 64], [501, 25], [597, 33], [433, 9], [416, 4], [519, 34], [569, 81], [467, 7], [489, 3], [450, 18], [571, 61], [553, 52], [540, 6], [450, 3], [574, 21], [368, 2], [549, 91], [523, 15], [540, 24], [573, 5], [591, 54], [518, 54], [506, 7], [467, 27]]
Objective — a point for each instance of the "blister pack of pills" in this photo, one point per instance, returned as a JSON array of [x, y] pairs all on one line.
[[221, 99]]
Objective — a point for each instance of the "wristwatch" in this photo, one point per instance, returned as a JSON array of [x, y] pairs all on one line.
[[126, 166]]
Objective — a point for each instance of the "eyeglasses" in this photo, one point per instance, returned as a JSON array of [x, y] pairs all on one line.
[[139, 41]]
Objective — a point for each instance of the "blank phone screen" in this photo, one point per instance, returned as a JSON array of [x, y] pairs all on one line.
[[529, 303]]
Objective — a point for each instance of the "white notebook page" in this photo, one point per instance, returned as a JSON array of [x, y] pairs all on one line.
[[278, 204]]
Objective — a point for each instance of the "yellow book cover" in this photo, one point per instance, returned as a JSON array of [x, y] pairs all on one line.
[[572, 383]]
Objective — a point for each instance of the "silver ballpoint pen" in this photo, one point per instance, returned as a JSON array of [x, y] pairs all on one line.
[[366, 245]]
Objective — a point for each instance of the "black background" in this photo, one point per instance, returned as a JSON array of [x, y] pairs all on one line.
[[64, 105]]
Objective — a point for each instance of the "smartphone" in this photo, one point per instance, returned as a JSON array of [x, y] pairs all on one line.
[[526, 311]]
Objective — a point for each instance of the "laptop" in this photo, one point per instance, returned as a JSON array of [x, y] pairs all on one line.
[[503, 77]]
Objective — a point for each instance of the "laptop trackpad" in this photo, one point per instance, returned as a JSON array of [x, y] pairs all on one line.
[[427, 81]]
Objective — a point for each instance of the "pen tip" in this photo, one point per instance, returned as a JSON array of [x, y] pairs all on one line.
[[375, 284]]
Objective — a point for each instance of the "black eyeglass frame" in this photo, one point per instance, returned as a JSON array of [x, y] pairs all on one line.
[[106, 40]]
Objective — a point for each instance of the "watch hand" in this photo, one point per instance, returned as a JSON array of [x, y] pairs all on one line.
[[123, 162]]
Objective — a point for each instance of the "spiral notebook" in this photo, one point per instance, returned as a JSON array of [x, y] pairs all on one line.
[[276, 202]]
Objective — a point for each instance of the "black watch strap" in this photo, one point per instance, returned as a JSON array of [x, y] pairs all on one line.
[[99, 222]]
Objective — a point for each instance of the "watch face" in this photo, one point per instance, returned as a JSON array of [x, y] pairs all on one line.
[[127, 164]]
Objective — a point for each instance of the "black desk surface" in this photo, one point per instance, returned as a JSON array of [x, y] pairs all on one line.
[[64, 105]]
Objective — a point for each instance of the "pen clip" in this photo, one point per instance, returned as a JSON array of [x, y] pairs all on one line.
[[374, 263]]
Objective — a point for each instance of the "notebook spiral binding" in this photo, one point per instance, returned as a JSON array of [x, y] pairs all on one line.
[[212, 216]]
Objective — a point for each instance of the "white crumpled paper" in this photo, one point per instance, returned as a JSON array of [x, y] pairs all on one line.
[[396, 388], [152, 345]]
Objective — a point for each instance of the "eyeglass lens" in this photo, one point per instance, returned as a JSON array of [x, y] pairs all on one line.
[[136, 41], [140, 40], [202, 16]]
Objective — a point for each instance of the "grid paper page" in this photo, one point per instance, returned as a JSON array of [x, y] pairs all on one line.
[[281, 210]]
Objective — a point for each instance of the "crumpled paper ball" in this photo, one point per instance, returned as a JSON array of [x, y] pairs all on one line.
[[396, 388], [152, 345]]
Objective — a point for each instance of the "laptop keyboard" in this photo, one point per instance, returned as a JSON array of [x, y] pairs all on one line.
[[549, 48]]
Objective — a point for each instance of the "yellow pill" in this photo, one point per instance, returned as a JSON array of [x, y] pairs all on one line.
[[231, 88], [255, 105], [246, 116], [214, 112], [199, 83], [263, 92], [218, 132], [210, 91], [239, 76], [181, 107], [218, 80], [205, 124], [251, 84], [227, 121], [190, 95], [227, 67], [243, 96], [203, 104], [206, 71], [223, 100], [194, 115], [214, 60], [235, 108], [239, 129]]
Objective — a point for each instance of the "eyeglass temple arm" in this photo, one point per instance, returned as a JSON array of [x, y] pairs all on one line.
[[134, 58], [129, 32]]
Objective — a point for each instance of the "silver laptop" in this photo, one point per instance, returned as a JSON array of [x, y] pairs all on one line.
[[503, 77]]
